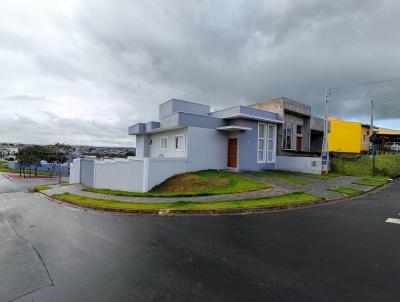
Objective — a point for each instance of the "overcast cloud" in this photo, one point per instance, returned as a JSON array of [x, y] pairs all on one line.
[[81, 72]]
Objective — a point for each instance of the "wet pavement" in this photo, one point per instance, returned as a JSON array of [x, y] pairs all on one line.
[[7, 185], [336, 252]]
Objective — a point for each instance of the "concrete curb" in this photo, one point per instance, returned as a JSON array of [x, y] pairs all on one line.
[[233, 211], [8, 177]]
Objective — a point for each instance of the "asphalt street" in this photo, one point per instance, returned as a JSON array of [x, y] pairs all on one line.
[[336, 252]]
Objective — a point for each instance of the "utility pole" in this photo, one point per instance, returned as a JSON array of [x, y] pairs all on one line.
[[372, 137], [325, 149]]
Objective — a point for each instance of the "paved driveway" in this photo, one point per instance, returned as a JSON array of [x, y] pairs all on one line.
[[337, 252], [7, 186]]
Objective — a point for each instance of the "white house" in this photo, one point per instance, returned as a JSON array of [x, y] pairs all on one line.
[[187, 137]]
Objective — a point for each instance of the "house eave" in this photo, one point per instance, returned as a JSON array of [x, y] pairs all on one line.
[[253, 117], [233, 128]]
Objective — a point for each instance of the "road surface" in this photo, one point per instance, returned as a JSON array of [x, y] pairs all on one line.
[[337, 252]]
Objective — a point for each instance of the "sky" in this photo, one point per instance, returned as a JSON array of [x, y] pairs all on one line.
[[81, 72]]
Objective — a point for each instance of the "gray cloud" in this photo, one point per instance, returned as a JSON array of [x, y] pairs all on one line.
[[101, 66]]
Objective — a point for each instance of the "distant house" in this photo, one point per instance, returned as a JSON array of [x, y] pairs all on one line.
[[187, 137]]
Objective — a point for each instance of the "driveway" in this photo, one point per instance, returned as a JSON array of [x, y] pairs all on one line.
[[337, 252], [7, 185]]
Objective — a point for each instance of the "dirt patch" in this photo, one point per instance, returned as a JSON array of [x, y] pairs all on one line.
[[191, 183]]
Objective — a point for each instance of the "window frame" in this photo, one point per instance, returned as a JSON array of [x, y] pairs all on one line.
[[166, 142], [285, 140], [297, 128], [271, 137], [183, 142], [263, 150]]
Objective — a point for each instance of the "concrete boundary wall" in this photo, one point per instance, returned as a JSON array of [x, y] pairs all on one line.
[[299, 164], [131, 174]]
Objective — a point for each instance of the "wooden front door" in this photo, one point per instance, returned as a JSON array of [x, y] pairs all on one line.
[[298, 143], [232, 152]]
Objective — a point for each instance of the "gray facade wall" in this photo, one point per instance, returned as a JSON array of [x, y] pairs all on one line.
[[207, 149], [244, 110], [142, 146], [247, 146], [183, 119], [87, 172], [175, 105]]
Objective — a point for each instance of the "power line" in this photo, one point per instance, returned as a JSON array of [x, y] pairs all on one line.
[[365, 97], [365, 84]]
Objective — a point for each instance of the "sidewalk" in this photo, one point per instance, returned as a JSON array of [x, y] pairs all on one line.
[[316, 186]]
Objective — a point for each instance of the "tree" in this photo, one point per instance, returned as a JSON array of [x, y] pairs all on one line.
[[56, 156]]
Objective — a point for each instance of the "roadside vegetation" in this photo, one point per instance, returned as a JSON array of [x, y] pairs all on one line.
[[344, 190], [29, 160], [361, 165], [39, 188], [201, 183], [4, 168], [286, 199], [369, 182]]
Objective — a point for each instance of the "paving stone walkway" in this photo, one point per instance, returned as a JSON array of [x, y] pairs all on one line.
[[77, 189], [316, 186]]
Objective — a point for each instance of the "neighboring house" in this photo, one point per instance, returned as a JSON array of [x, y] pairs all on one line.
[[348, 137], [187, 137], [387, 139], [300, 133]]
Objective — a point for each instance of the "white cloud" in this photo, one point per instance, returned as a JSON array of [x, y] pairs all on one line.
[[85, 70]]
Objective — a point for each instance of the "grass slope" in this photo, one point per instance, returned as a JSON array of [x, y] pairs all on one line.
[[201, 183], [361, 165], [291, 198], [344, 190]]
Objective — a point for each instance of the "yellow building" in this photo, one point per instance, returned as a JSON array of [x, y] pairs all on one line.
[[345, 136], [354, 137]]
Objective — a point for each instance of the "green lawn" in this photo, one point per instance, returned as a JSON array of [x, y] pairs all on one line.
[[286, 199], [201, 183], [39, 188], [344, 190], [368, 182], [288, 177], [361, 165]]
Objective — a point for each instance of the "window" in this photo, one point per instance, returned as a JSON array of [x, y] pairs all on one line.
[[261, 143], [163, 143], [299, 129], [271, 143], [178, 143], [266, 143], [287, 144]]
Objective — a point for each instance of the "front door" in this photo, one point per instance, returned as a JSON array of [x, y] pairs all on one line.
[[232, 152]]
